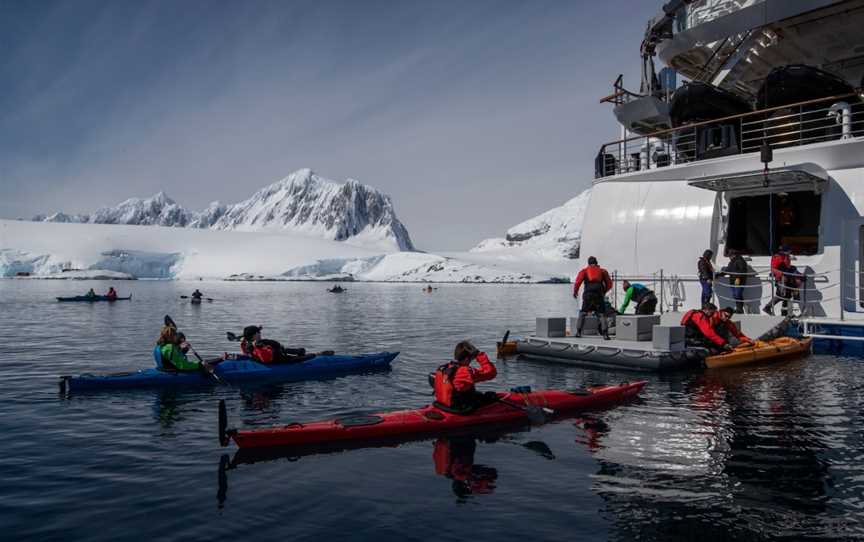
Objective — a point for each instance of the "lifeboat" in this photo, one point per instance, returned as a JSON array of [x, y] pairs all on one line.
[[701, 102]]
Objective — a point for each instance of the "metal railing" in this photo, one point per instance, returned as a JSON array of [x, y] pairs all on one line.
[[795, 300], [803, 123]]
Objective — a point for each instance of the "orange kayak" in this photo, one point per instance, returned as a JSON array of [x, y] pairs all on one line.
[[505, 349], [777, 349]]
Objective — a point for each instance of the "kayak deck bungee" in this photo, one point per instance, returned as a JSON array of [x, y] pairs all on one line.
[[93, 299], [429, 420], [774, 350], [232, 372]]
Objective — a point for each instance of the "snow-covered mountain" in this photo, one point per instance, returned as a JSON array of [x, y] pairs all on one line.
[[554, 235], [303, 202]]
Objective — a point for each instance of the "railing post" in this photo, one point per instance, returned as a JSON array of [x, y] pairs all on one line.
[[615, 288], [661, 291]]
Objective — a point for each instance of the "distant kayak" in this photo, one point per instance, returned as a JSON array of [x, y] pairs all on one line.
[[337, 290], [429, 420], [195, 301], [232, 372], [93, 299]]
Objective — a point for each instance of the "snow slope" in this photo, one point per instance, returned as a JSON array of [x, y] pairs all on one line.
[[45, 249], [303, 202], [554, 235]]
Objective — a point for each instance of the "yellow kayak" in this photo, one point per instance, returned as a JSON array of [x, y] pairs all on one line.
[[506, 348], [777, 349]]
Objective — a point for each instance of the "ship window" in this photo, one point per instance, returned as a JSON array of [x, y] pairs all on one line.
[[759, 224]]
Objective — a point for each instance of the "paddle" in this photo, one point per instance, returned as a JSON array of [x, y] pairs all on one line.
[[536, 414], [506, 336], [205, 368], [187, 297], [235, 338]]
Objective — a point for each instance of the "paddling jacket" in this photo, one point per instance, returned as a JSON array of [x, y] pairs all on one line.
[[697, 324], [454, 381], [727, 327], [636, 293], [260, 351], [705, 269], [112, 294], [593, 274], [780, 263], [173, 358]]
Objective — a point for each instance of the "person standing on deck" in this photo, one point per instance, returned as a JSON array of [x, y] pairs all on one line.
[[646, 301], [737, 272], [706, 275], [597, 284], [781, 265]]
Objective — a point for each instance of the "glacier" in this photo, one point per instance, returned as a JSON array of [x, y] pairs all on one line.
[[554, 235], [303, 202]]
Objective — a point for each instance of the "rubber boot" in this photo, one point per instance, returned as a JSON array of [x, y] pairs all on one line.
[[580, 321], [603, 325]]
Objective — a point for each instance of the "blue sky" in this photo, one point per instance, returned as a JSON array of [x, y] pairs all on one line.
[[473, 115]]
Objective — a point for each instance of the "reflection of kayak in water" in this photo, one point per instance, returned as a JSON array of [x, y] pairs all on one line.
[[233, 372], [195, 301], [774, 350], [429, 420]]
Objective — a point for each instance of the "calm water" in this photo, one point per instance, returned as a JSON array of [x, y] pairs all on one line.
[[766, 453]]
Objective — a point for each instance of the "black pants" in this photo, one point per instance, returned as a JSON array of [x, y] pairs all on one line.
[[647, 305], [286, 355], [467, 402]]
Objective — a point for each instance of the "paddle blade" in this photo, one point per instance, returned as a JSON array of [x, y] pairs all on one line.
[[223, 423], [169, 322], [506, 336]]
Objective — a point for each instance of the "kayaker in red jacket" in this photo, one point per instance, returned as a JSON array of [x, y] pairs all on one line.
[[699, 330], [111, 294], [597, 284], [454, 382], [267, 350], [723, 325]]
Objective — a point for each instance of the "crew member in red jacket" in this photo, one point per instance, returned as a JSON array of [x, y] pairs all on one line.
[[268, 351], [781, 265], [723, 325], [454, 382], [597, 283], [699, 330]]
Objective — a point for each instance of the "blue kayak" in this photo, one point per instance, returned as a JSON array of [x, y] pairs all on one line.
[[237, 371], [93, 299]]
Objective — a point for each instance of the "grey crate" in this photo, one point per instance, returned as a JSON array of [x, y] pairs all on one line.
[[631, 327], [589, 328], [551, 327], [668, 338]]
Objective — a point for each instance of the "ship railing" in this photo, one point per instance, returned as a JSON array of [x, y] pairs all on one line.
[[803, 123], [759, 288]]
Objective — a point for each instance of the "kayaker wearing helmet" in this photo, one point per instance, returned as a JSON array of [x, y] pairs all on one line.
[[267, 350], [700, 332], [597, 283], [722, 323], [454, 382]]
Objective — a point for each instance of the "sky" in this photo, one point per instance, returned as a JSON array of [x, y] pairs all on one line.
[[472, 115]]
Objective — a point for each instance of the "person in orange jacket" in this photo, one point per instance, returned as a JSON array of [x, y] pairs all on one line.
[[699, 330], [723, 325], [781, 265], [269, 351], [597, 284], [454, 382]]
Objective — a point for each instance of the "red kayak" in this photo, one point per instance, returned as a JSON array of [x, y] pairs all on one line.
[[511, 407]]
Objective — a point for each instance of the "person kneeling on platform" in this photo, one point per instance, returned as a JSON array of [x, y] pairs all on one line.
[[699, 331], [646, 301], [723, 325], [597, 283], [454, 382], [269, 351]]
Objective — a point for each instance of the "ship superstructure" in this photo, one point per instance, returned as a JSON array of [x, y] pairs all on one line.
[[761, 145]]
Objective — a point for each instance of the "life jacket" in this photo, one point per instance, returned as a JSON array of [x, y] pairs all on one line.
[[443, 385], [688, 321]]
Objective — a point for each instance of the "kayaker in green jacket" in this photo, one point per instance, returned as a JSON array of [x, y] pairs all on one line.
[[91, 293], [646, 301], [172, 350]]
